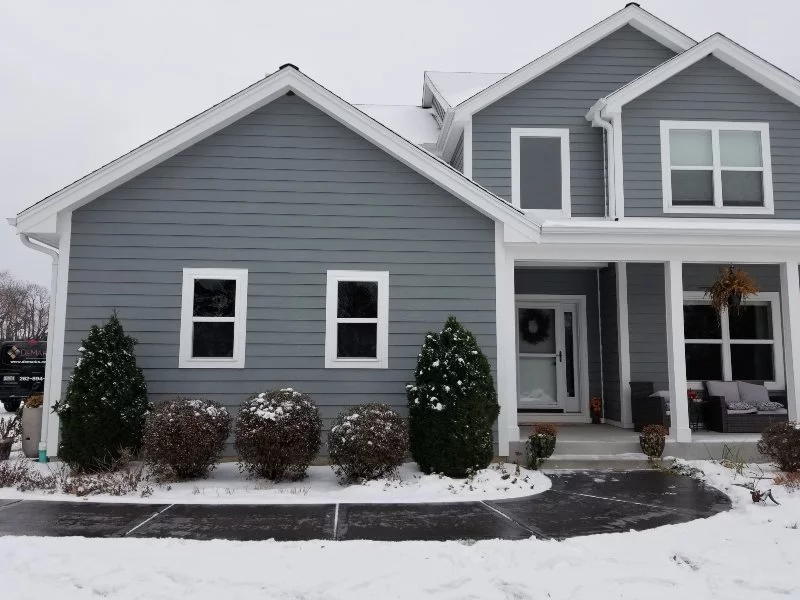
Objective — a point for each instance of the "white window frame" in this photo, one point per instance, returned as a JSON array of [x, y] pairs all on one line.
[[773, 299], [715, 127], [186, 360], [381, 361], [566, 195]]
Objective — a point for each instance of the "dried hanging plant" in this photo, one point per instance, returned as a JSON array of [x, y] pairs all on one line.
[[732, 287]]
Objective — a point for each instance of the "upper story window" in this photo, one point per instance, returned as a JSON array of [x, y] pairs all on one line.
[[213, 318], [716, 167], [357, 320], [540, 174]]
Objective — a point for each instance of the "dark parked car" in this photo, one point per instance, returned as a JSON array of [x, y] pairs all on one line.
[[21, 371]]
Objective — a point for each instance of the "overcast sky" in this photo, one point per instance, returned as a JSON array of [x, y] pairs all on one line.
[[83, 82]]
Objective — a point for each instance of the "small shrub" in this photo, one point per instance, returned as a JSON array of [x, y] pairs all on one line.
[[34, 401], [652, 440], [184, 437], [367, 442], [541, 444], [452, 404], [781, 442], [791, 481], [10, 428], [278, 434]]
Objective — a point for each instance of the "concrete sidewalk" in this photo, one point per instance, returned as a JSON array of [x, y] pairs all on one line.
[[579, 503]]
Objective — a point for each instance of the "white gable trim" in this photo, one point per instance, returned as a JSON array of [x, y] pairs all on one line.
[[288, 78], [717, 45]]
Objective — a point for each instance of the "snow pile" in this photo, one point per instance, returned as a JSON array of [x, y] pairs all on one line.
[[226, 485], [748, 553]]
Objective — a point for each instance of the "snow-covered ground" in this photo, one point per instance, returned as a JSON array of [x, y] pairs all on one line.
[[226, 485], [751, 552]]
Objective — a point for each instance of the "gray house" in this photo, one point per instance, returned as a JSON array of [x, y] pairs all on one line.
[[571, 214]]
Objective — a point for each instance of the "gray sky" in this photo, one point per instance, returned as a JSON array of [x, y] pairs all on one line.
[[83, 82]]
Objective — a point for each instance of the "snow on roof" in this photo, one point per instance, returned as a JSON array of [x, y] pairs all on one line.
[[457, 87], [414, 123]]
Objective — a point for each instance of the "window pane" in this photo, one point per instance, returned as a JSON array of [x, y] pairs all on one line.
[[540, 173], [692, 188], [752, 362], [358, 300], [742, 188], [357, 340], [214, 297], [740, 148], [537, 330], [690, 148], [753, 322], [700, 322], [703, 362], [212, 340]]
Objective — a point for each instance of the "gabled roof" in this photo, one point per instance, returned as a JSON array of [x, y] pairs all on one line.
[[414, 123], [719, 46], [40, 218], [455, 87]]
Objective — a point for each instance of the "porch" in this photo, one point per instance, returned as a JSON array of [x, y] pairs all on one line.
[[609, 323]]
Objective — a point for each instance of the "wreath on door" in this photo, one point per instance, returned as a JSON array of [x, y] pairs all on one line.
[[534, 326]]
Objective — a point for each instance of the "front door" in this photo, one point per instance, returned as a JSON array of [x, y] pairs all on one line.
[[547, 347]]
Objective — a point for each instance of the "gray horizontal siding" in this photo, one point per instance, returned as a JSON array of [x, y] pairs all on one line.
[[710, 90], [581, 282], [612, 401], [287, 193], [458, 154], [560, 98]]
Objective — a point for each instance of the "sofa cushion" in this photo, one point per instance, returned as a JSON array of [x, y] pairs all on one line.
[[752, 394], [740, 408], [744, 411], [779, 411], [727, 389], [770, 406]]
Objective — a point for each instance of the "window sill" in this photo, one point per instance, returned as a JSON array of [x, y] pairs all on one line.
[[724, 210], [211, 363], [356, 363]]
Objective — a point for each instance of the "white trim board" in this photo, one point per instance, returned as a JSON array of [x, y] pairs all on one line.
[[517, 133], [288, 78]]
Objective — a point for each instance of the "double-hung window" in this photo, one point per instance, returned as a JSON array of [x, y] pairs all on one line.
[[540, 171], [741, 345], [357, 320], [716, 167], [213, 318]]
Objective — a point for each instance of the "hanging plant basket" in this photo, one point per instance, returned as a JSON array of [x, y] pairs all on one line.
[[732, 287]]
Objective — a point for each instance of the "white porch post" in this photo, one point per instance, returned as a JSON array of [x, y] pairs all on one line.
[[507, 424], [676, 352], [623, 341], [790, 315]]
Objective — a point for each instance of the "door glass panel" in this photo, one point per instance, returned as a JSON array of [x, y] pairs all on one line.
[[569, 353], [537, 379], [536, 327]]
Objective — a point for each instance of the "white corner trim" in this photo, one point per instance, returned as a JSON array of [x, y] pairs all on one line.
[[517, 133], [467, 146], [790, 304], [618, 197], [185, 358], [719, 207], [332, 361], [624, 344], [725, 50]]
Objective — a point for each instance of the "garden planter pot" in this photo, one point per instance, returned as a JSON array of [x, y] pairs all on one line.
[[652, 445], [31, 431], [5, 448]]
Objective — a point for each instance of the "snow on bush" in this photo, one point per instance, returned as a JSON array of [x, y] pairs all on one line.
[[367, 442], [452, 405], [278, 434], [781, 442], [102, 415], [184, 438]]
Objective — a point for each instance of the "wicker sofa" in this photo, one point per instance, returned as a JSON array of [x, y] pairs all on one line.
[[718, 417], [646, 408]]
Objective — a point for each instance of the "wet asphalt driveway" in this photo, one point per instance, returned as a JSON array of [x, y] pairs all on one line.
[[579, 503]]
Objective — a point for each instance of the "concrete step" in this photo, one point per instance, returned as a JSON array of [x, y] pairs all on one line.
[[601, 462]]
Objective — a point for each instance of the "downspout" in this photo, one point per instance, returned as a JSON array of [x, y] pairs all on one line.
[[597, 120], [42, 247]]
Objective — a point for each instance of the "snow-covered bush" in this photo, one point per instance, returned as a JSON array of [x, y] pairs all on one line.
[[367, 442], [184, 437], [781, 442], [278, 434], [103, 413], [452, 405]]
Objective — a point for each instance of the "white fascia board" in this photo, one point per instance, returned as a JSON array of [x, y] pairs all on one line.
[[630, 15], [287, 79], [720, 47]]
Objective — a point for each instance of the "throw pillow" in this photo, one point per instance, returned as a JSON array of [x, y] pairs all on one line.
[[752, 394], [739, 406], [770, 406], [727, 389]]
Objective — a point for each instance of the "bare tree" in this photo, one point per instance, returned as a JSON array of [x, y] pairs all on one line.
[[24, 308]]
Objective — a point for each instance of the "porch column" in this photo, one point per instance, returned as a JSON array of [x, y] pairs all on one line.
[[623, 341], [676, 352], [507, 423], [790, 315]]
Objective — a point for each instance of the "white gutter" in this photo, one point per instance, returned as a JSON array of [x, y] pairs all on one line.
[[53, 252], [596, 118]]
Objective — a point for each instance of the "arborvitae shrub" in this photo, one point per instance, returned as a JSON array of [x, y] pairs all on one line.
[[184, 437], [781, 442], [452, 405], [367, 442], [102, 415], [278, 434]]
